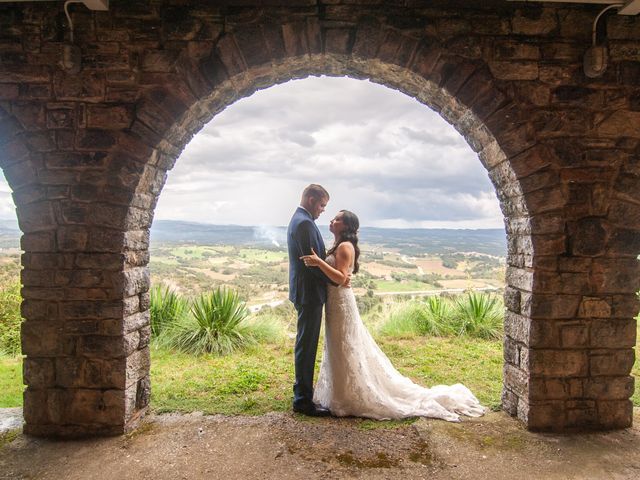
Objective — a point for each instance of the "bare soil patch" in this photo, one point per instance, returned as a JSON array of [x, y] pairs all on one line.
[[282, 445]]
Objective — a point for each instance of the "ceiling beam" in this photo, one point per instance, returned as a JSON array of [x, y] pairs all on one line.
[[100, 5], [627, 7]]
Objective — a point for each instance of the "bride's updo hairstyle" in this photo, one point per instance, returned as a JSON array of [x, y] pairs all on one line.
[[349, 234]]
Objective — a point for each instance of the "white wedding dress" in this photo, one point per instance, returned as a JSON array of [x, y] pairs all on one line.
[[357, 379]]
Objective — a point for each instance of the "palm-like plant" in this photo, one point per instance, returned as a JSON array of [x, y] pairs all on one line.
[[478, 315], [434, 318], [216, 325], [167, 307]]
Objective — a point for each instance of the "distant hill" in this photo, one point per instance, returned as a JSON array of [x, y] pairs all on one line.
[[9, 234], [408, 240]]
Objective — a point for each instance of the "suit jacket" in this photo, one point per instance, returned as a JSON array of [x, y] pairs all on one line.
[[307, 285]]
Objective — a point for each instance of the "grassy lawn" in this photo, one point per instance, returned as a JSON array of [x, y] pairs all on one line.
[[10, 382], [259, 380]]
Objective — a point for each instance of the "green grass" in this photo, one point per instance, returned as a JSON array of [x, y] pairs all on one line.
[[260, 255], [11, 382], [258, 380]]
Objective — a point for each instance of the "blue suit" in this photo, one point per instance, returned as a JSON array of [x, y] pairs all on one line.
[[308, 292]]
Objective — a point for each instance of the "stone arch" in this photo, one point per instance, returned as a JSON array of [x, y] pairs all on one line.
[[96, 147]]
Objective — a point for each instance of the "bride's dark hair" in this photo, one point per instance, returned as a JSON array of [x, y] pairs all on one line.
[[349, 234]]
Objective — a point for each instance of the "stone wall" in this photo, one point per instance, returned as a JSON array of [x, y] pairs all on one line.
[[86, 155]]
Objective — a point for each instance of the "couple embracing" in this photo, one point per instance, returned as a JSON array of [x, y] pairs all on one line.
[[356, 378]]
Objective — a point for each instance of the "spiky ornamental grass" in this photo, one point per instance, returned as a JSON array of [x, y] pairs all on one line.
[[215, 324], [478, 315], [167, 308]]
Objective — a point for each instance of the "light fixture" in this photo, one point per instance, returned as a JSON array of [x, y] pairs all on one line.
[[71, 56], [596, 58]]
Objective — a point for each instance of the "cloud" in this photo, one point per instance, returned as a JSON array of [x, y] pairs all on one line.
[[380, 153], [375, 149]]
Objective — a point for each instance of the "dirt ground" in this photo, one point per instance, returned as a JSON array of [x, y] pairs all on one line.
[[283, 446]]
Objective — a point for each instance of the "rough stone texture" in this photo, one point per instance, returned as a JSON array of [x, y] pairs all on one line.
[[86, 156]]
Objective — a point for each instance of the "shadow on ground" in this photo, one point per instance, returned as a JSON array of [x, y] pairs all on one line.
[[282, 445]]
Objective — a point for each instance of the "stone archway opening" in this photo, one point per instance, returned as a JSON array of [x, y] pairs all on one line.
[[462, 118], [217, 163]]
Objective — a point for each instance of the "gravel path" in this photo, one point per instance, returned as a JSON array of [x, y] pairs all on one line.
[[283, 446]]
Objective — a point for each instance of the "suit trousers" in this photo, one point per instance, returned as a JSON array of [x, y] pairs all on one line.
[[309, 320]]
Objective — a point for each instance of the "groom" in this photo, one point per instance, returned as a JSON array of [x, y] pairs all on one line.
[[308, 292]]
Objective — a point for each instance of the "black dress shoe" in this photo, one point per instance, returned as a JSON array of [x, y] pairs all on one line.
[[312, 410]]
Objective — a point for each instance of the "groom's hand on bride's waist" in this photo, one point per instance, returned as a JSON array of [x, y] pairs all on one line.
[[347, 282]]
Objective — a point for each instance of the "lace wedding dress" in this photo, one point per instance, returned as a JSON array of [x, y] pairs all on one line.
[[357, 379]]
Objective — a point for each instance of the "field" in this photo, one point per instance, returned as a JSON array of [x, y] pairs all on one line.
[[258, 379], [260, 275]]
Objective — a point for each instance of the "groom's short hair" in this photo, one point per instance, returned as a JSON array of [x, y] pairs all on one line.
[[316, 191]]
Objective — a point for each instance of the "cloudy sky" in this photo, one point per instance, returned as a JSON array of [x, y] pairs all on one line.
[[379, 153]]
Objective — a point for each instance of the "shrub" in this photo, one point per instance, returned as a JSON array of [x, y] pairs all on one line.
[[401, 320], [167, 307], [10, 319], [434, 318], [478, 315], [216, 324]]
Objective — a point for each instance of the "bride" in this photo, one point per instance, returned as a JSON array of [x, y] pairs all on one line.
[[356, 378]]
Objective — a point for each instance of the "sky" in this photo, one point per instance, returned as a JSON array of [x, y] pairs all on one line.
[[379, 153]]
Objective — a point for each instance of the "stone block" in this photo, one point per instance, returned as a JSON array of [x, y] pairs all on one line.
[[35, 407], [611, 362], [76, 161], [38, 310], [545, 200], [92, 139], [609, 388], [512, 299], [135, 321], [509, 402], [145, 337], [615, 275], [42, 338], [104, 261], [338, 41], [38, 242], [78, 372], [72, 238], [85, 86], [546, 416], [624, 242], [595, 307], [109, 117], [516, 380], [138, 365], [95, 309], [556, 363], [38, 372], [551, 306], [615, 414], [613, 333], [517, 327], [534, 21], [581, 414], [105, 240], [619, 123], [101, 346], [514, 70], [542, 388], [548, 245], [143, 393], [625, 306], [574, 335]]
